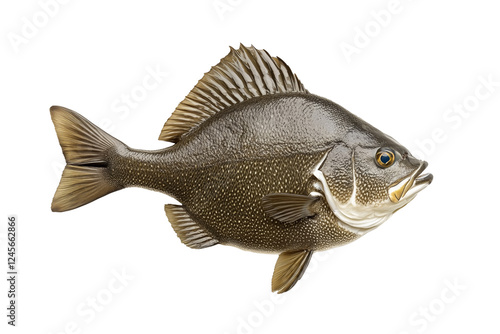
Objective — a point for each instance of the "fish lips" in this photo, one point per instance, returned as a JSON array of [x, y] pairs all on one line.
[[410, 185]]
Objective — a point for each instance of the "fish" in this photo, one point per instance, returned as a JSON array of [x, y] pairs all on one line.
[[256, 161]]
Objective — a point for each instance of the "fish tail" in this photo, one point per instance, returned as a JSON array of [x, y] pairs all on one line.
[[86, 149]]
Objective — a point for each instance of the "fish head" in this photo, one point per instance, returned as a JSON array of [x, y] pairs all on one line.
[[367, 179], [387, 177]]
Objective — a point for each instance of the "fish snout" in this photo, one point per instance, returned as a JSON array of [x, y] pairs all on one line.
[[415, 162], [412, 184]]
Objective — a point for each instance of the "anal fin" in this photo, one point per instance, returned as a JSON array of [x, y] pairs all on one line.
[[191, 233], [289, 269]]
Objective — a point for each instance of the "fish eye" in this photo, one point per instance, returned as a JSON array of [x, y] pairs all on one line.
[[385, 157]]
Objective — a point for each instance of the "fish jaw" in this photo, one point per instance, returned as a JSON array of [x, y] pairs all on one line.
[[360, 219], [411, 185]]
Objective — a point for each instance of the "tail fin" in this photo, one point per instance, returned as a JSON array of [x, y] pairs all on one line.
[[86, 149]]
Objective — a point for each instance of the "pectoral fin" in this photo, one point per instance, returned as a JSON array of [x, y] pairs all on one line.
[[288, 207], [289, 269]]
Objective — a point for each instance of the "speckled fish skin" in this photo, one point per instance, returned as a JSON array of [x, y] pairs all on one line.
[[281, 171], [220, 173]]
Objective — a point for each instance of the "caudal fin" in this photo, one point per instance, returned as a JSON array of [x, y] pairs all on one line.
[[86, 149]]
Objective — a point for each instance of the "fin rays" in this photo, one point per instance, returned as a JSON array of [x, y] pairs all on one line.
[[288, 208], [85, 146], [243, 74], [289, 269], [190, 232]]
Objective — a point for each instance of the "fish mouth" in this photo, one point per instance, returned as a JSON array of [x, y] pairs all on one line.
[[411, 185]]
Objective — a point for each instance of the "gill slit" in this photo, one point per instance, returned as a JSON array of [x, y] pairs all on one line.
[[323, 185], [344, 221]]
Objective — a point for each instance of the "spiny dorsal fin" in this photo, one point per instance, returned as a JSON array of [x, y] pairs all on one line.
[[289, 269], [241, 75], [190, 232]]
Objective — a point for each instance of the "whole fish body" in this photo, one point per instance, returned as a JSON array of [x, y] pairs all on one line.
[[258, 163]]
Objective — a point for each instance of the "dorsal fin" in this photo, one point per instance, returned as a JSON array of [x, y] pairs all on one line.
[[241, 75]]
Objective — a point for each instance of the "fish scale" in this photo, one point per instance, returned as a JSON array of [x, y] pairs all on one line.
[[257, 163]]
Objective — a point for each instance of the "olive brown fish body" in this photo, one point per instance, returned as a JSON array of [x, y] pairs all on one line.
[[223, 169], [258, 163]]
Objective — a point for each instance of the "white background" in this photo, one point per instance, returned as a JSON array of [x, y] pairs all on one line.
[[426, 58]]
